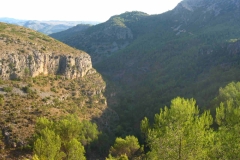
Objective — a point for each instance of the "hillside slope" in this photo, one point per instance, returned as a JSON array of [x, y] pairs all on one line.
[[190, 51], [40, 76], [25, 50], [103, 39], [69, 33]]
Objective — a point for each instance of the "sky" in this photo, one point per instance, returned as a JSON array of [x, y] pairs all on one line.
[[80, 10]]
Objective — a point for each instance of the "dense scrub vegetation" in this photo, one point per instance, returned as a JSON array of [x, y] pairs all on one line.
[[63, 139], [181, 131], [183, 52]]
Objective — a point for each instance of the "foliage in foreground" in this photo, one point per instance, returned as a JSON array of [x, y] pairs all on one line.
[[180, 131], [63, 139], [125, 148]]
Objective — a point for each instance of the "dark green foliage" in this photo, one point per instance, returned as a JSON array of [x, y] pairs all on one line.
[[178, 132], [27, 89], [161, 64], [89, 132], [104, 37], [68, 128], [178, 53], [65, 138], [181, 132], [125, 148]]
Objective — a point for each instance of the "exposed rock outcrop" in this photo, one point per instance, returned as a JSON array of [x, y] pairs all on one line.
[[13, 66], [28, 53]]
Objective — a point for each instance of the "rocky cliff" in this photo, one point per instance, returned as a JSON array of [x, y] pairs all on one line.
[[53, 80], [24, 57]]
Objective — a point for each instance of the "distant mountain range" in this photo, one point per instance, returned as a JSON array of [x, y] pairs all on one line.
[[46, 27]]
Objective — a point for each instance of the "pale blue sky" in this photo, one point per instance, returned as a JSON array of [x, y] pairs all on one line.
[[80, 10]]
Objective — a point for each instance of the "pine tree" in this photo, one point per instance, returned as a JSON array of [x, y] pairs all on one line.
[[47, 145], [179, 132], [227, 141], [125, 148], [65, 138], [75, 150]]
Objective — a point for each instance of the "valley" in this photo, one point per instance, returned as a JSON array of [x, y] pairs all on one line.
[[190, 51], [137, 86]]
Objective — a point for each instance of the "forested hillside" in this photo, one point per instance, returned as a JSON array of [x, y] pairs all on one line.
[[70, 33], [106, 38], [189, 51], [170, 87]]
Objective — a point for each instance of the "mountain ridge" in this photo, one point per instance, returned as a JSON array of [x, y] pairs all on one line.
[[105, 38], [183, 52], [188, 52]]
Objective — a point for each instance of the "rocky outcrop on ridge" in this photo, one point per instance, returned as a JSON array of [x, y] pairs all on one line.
[[39, 54]]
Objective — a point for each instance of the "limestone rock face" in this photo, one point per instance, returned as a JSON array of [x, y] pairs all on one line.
[[13, 66], [24, 52]]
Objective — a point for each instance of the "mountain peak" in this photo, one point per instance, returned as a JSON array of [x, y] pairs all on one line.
[[192, 4], [214, 6]]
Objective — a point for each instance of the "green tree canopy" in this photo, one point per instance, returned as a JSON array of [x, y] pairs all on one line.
[[227, 141], [75, 150], [89, 132], [124, 148], [68, 128], [229, 93], [179, 132], [47, 145], [64, 138]]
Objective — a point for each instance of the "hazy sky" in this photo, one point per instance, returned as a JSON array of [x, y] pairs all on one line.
[[80, 10]]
